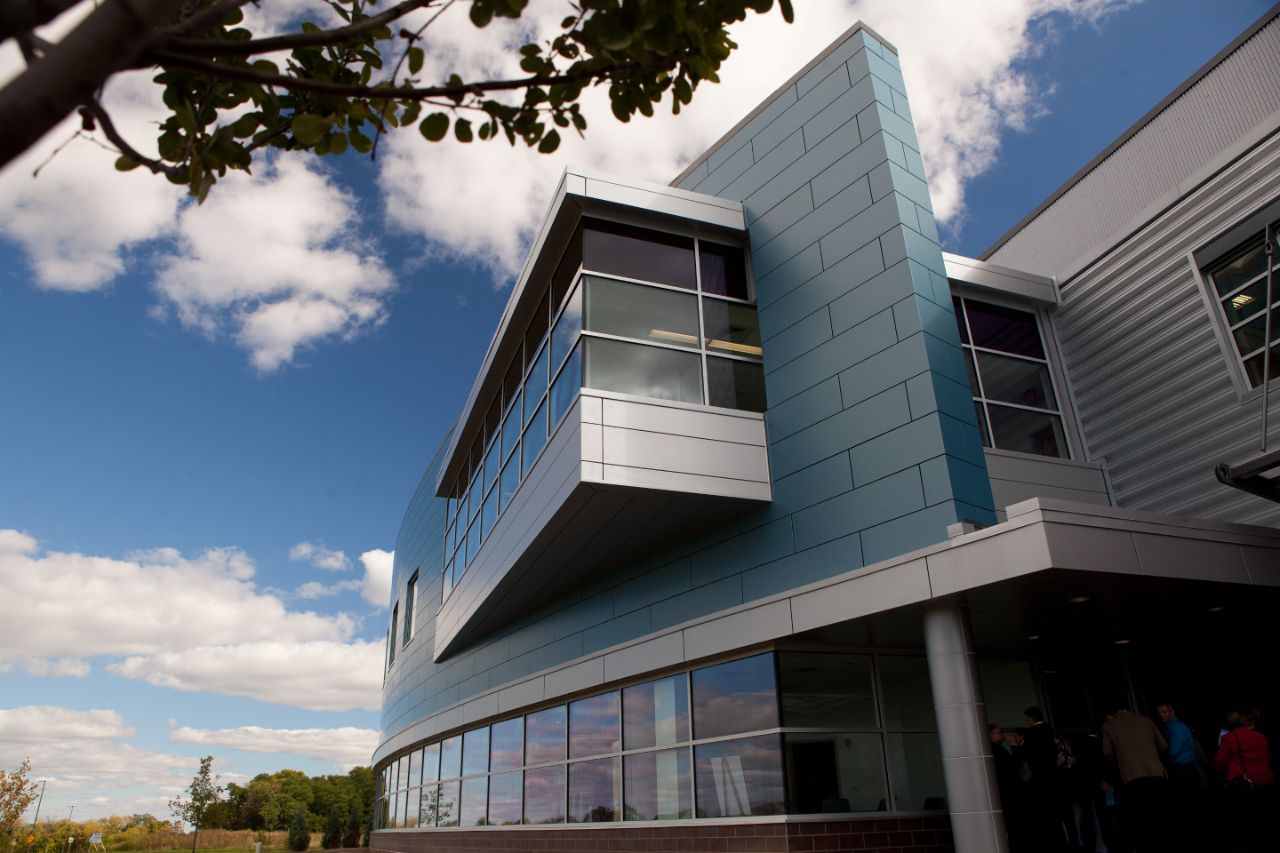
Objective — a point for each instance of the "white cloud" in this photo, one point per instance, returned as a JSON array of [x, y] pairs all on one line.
[[376, 585], [276, 261], [16, 542], [964, 72], [194, 624], [319, 675], [32, 724], [346, 746], [320, 557], [311, 590]]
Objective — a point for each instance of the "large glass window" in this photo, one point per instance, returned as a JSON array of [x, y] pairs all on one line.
[[739, 777], [624, 250], [827, 690], [735, 384], [505, 798], [1239, 282], [1009, 375], [656, 713], [643, 313], [838, 772], [663, 374], [475, 751], [447, 804], [544, 797], [544, 736], [734, 697], [658, 785], [906, 693], [731, 327], [506, 745], [451, 758], [475, 801], [594, 725], [723, 270], [595, 790], [915, 764]]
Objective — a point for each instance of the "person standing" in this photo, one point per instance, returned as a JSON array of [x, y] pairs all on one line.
[[1009, 779], [1046, 791], [1243, 761], [1134, 745], [1184, 777]]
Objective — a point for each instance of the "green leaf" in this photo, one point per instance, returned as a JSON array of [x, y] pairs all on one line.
[[360, 142], [415, 60], [481, 14], [126, 164], [549, 143], [434, 127], [309, 128], [462, 130]]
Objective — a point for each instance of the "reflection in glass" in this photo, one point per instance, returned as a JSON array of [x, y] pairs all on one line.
[[645, 371], [506, 746], [646, 313], [657, 785], [491, 463], [505, 791], [1026, 432], [544, 736], [566, 387], [475, 801], [447, 806], [610, 247], [415, 768], [511, 382], [544, 794], [594, 725], [475, 751], [1005, 329], [739, 777], [510, 481], [534, 438], [1013, 380], [473, 541], [1236, 270], [489, 514], [827, 690], [594, 790], [733, 697], [915, 763], [656, 713], [537, 325], [431, 763], [731, 328], [905, 692], [475, 496], [411, 807], [451, 758], [511, 428], [567, 327], [535, 384], [735, 384], [429, 814], [833, 773], [393, 810], [401, 773], [724, 270]]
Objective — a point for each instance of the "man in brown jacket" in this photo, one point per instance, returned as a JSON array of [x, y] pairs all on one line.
[[1134, 745]]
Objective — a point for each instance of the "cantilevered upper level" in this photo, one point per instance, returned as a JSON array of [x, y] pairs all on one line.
[[619, 402]]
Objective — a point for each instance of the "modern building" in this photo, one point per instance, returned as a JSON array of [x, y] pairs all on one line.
[[762, 506]]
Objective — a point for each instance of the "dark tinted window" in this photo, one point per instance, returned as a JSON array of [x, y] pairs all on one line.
[[733, 697], [740, 777], [724, 270], [639, 253], [735, 384], [836, 773], [562, 279], [821, 691], [907, 696], [1004, 329], [731, 328], [537, 327]]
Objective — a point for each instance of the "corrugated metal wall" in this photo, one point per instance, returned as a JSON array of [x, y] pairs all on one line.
[[1238, 95], [1152, 384]]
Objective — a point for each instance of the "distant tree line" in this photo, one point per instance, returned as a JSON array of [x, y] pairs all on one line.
[[338, 807]]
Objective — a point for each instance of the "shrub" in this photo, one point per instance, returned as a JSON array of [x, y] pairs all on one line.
[[299, 835]]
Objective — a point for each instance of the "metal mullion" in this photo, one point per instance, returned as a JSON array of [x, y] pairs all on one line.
[[714, 353], [1250, 283], [1018, 356], [608, 337], [623, 278], [702, 326], [1255, 315], [1022, 407], [890, 792]]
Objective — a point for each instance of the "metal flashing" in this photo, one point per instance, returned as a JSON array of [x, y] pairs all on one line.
[[999, 279]]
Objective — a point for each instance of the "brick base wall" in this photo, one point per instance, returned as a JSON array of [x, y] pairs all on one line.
[[880, 835]]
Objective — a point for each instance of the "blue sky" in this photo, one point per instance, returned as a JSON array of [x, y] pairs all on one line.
[[147, 405]]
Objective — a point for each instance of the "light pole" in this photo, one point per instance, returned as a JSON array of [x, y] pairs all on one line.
[[43, 782]]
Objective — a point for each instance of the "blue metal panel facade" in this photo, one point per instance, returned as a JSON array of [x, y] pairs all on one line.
[[873, 443]]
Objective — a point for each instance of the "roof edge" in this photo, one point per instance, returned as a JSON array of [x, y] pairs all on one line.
[[1200, 73]]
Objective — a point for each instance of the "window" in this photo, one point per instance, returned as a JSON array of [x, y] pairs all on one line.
[[1238, 283], [1009, 376], [391, 646], [410, 604]]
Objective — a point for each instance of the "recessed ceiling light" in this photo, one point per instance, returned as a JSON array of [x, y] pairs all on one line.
[[1078, 599], [1033, 636], [1215, 609], [1241, 299], [1122, 642]]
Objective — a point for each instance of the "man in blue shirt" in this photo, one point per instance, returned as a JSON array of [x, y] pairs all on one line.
[[1182, 770]]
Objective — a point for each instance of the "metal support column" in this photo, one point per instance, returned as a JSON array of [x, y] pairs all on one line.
[[977, 821]]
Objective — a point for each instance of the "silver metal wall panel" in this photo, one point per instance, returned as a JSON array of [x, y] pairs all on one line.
[[1239, 94], [1017, 477], [1153, 386]]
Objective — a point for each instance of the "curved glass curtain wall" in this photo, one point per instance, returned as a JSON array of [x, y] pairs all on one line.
[[630, 310], [792, 732]]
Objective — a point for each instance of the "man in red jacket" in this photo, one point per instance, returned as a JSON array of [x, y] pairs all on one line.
[[1244, 761]]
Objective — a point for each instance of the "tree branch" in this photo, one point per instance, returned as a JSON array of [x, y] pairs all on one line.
[[23, 16], [109, 130], [207, 17], [410, 93], [71, 71], [323, 38]]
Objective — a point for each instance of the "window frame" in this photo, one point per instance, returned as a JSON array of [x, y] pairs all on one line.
[[1202, 259], [410, 599]]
